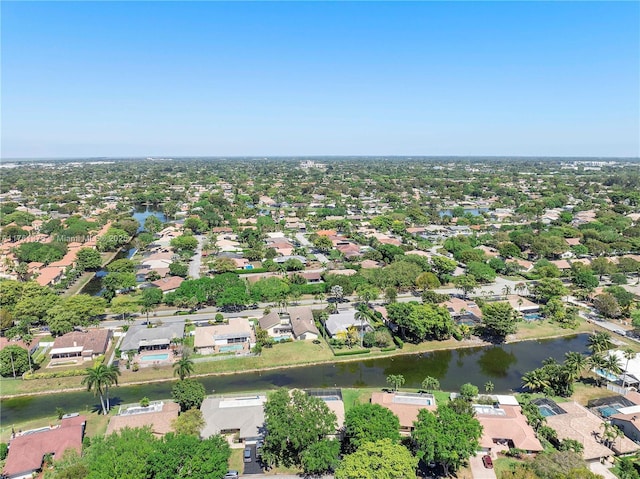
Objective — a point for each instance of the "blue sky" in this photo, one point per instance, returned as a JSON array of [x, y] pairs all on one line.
[[293, 78]]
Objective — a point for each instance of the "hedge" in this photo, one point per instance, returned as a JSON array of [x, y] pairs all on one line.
[[398, 341], [352, 352], [388, 348], [58, 374]]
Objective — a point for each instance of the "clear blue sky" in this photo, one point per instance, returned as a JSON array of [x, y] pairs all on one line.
[[271, 78]]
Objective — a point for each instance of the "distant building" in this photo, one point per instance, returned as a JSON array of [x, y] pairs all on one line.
[[242, 415], [157, 415], [405, 405], [86, 345], [140, 338]]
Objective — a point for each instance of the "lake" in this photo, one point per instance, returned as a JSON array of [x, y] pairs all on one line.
[[503, 365]]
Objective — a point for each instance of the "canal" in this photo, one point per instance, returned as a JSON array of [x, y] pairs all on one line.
[[503, 365], [141, 213]]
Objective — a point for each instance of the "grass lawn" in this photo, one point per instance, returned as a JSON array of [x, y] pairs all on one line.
[[236, 462], [352, 396], [504, 464]]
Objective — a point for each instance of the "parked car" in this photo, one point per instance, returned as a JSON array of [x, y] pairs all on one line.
[[247, 454], [487, 461], [231, 474]]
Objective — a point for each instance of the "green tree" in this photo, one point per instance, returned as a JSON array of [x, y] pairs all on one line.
[[184, 243], [152, 224], [88, 258], [430, 384], [98, 379], [467, 283], [122, 265], [369, 423], [468, 392], [395, 380], [184, 367], [378, 460], [321, 457], [113, 239], [600, 342], [178, 268], [123, 454], [124, 305], [14, 361], [548, 288], [499, 319], [294, 422], [446, 437], [482, 272], [189, 422], [323, 243], [427, 280], [189, 393], [182, 456]]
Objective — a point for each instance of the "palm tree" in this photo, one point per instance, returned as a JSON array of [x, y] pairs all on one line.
[[506, 290], [612, 364], [488, 387], [99, 378], [430, 384], [114, 372], [184, 367], [575, 363], [363, 314], [629, 354], [28, 339], [396, 380], [535, 380], [600, 342]]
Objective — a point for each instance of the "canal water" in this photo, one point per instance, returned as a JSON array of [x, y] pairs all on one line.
[[503, 365], [141, 213]]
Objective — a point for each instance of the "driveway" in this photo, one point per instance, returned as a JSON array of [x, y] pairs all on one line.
[[602, 469], [252, 467], [478, 470]]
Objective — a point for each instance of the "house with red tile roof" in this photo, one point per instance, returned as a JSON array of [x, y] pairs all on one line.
[[405, 405], [27, 451], [159, 416]]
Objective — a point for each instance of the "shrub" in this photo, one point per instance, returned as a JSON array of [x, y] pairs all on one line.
[[399, 342], [352, 352]]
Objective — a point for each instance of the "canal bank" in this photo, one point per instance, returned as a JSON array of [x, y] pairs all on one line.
[[503, 365]]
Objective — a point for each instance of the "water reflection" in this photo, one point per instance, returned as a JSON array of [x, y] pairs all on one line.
[[503, 365]]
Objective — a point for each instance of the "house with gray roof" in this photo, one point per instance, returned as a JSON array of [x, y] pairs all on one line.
[[142, 338], [343, 320], [242, 415]]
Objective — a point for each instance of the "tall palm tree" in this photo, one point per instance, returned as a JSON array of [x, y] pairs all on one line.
[[28, 339], [98, 379], [600, 342], [612, 364], [114, 372], [396, 380], [184, 367], [575, 363], [629, 354], [363, 314]]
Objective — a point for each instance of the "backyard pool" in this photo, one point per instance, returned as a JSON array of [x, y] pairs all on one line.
[[606, 411], [532, 316], [605, 374], [155, 357]]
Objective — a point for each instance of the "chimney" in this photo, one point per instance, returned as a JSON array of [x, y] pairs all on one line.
[[75, 344]]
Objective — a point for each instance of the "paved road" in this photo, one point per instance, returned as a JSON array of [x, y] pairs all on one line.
[[196, 259]]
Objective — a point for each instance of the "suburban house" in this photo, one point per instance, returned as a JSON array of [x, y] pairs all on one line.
[[405, 405], [462, 311], [86, 345], [242, 415], [140, 338], [340, 322], [523, 305], [49, 275], [573, 421], [28, 450], [157, 415], [235, 336], [168, 284], [505, 427], [302, 323], [295, 323]]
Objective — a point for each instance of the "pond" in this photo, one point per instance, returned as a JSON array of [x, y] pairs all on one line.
[[141, 213], [503, 365]]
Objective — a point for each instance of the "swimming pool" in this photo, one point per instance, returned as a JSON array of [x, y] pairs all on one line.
[[606, 411], [546, 411], [155, 357], [605, 374], [532, 316]]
